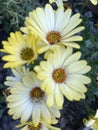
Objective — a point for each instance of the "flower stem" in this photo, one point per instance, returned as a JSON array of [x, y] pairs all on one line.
[[84, 5], [89, 110]]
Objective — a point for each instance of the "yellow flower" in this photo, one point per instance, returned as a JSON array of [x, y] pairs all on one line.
[[94, 2], [62, 74], [18, 74], [27, 100], [58, 2], [20, 49], [54, 27], [41, 126], [92, 122]]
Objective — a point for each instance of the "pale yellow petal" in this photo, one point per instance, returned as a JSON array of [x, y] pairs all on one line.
[[78, 29], [76, 85], [27, 113], [81, 64], [45, 113], [50, 100], [59, 97], [85, 70], [73, 58], [71, 44], [49, 13], [82, 78], [94, 2], [36, 114]]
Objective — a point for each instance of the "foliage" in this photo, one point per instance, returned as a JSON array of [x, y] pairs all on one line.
[[2, 101], [13, 12], [89, 49]]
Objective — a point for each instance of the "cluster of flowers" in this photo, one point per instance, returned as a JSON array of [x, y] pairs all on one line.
[[47, 42]]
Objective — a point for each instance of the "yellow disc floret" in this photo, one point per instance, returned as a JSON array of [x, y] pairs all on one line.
[[59, 75], [53, 37], [36, 93], [26, 54]]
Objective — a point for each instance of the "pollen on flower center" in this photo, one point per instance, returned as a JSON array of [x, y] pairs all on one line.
[[59, 75], [36, 93], [53, 37], [26, 53], [31, 127]]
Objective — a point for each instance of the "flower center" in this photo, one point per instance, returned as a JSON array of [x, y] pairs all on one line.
[[36, 93], [27, 53], [31, 127], [59, 75], [53, 37]]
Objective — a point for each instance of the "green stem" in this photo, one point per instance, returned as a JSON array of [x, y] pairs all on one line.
[[84, 5], [89, 110]]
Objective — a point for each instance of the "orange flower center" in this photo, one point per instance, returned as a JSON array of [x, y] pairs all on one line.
[[59, 75], [26, 54], [53, 37], [31, 127], [36, 93]]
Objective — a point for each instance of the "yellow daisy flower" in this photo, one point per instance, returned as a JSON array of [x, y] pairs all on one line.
[[20, 49], [54, 27], [40, 126], [27, 100], [63, 74], [94, 2], [58, 2], [92, 122], [18, 74]]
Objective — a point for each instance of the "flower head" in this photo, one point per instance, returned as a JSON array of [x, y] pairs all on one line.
[[63, 74], [28, 100], [20, 49], [54, 27], [94, 2], [92, 122]]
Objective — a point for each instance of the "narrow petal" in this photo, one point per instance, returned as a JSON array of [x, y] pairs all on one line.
[[50, 88], [36, 114], [17, 104], [66, 19], [70, 26], [70, 94], [45, 113], [46, 66], [49, 12], [73, 58], [78, 29], [59, 18], [82, 78], [59, 97], [66, 91], [71, 44], [41, 17], [85, 70], [81, 64], [55, 111], [76, 85], [72, 39], [44, 84], [50, 100], [27, 113]]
